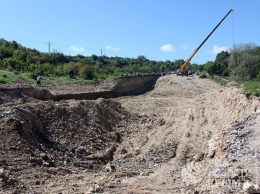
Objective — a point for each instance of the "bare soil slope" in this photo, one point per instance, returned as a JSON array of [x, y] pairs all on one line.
[[188, 135], [205, 134]]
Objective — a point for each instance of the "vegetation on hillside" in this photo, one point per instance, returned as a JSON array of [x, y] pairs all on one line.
[[241, 64], [17, 58]]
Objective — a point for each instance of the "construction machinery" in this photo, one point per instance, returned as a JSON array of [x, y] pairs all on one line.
[[184, 68]]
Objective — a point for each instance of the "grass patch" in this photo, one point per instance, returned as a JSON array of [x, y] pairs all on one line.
[[7, 76], [251, 88], [220, 80], [30, 78]]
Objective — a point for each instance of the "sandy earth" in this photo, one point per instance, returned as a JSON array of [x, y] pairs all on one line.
[[188, 135]]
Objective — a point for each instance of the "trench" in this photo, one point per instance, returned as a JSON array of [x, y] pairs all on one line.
[[123, 86]]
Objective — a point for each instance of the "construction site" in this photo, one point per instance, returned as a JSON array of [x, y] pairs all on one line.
[[166, 134]]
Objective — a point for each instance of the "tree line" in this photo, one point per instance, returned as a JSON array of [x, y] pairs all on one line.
[[242, 62], [15, 57]]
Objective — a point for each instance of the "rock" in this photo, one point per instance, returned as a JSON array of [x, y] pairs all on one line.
[[161, 122], [109, 167], [123, 151], [251, 188], [144, 174], [44, 156], [95, 189], [15, 191], [234, 132], [2, 174], [137, 151], [211, 153], [36, 160], [37, 183], [82, 150], [199, 157]]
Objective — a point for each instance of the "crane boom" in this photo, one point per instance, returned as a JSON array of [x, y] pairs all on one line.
[[184, 68]]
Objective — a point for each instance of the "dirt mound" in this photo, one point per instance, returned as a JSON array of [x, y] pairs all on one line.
[[195, 115], [187, 135], [61, 134]]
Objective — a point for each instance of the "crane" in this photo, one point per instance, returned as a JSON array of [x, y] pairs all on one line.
[[184, 68]]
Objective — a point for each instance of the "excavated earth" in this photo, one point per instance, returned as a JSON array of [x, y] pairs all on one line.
[[187, 135]]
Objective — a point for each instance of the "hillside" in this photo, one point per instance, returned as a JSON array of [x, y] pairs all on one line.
[[187, 135]]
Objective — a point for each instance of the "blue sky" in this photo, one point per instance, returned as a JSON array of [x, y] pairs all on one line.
[[158, 29]]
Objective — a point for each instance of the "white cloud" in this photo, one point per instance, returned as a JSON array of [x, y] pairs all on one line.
[[77, 48], [167, 48], [217, 49], [110, 48]]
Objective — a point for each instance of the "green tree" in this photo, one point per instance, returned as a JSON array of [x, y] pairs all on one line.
[[86, 72], [221, 63], [244, 61], [210, 67], [178, 63], [141, 58]]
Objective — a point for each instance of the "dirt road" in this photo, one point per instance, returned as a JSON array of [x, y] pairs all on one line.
[[188, 135]]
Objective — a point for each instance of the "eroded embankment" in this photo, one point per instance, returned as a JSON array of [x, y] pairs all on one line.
[[205, 134], [123, 86]]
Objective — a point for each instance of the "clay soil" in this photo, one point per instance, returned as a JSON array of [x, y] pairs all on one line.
[[187, 135]]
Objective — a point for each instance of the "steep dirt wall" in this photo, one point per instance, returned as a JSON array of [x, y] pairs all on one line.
[[40, 94], [133, 85]]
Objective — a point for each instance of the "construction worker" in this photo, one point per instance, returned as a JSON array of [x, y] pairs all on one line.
[[38, 81]]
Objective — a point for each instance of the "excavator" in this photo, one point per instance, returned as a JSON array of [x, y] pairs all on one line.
[[184, 68]]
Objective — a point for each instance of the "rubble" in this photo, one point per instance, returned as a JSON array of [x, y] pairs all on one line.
[[251, 188]]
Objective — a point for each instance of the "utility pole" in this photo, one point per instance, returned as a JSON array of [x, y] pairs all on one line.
[[101, 53], [49, 46]]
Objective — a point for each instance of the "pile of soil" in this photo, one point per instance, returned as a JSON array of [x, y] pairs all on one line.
[[45, 135], [187, 135]]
